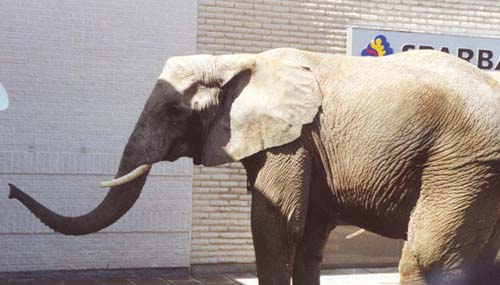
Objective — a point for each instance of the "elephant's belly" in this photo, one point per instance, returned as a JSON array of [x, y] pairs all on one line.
[[383, 212], [374, 171]]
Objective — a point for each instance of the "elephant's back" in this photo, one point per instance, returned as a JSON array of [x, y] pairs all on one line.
[[469, 116], [431, 88]]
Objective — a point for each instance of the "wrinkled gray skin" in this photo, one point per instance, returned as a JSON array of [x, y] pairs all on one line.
[[406, 146]]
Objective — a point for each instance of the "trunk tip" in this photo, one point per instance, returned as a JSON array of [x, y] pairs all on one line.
[[13, 191]]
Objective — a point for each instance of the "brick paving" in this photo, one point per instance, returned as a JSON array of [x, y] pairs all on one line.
[[355, 276]]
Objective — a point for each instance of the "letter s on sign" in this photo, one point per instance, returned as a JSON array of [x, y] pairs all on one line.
[[407, 47]]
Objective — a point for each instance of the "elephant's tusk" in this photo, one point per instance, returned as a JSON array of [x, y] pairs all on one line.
[[126, 178], [355, 234]]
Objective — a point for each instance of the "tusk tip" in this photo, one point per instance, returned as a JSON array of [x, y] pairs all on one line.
[[105, 184]]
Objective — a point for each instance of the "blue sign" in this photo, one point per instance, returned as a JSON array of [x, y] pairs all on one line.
[[480, 51], [4, 99]]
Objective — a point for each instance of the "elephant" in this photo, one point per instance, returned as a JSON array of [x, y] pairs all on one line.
[[406, 146]]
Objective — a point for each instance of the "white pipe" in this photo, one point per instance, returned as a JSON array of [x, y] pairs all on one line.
[[355, 234]]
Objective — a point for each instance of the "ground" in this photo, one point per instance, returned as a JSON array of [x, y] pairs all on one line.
[[355, 276]]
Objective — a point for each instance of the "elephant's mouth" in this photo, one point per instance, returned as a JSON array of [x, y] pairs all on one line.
[[197, 159], [181, 149], [177, 150]]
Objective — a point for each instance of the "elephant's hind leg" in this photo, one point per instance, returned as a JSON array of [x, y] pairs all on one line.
[[309, 253], [452, 224]]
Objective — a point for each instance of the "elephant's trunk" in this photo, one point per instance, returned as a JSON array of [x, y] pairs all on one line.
[[116, 203]]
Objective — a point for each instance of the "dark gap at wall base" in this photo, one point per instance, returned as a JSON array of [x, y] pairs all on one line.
[[235, 268], [223, 268]]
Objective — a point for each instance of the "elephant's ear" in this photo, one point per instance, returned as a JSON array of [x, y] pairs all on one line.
[[265, 103]]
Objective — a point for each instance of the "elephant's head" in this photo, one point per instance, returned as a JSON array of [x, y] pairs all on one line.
[[215, 109]]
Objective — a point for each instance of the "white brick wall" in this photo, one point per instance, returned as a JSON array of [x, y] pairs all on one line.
[[221, 216], [234, 26], [78, 74]]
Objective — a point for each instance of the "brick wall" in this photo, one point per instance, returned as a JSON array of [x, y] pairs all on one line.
[[221, 216], [220, 234], [78, 74]]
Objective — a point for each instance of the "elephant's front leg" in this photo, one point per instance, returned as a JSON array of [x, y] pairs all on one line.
[[273, 253], [279, 206]]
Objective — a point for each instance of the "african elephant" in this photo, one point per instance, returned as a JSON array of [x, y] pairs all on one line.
[[406, 146]]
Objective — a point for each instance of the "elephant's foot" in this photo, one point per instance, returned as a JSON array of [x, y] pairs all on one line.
[[412, 273], [409, 270], [422, 272]]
